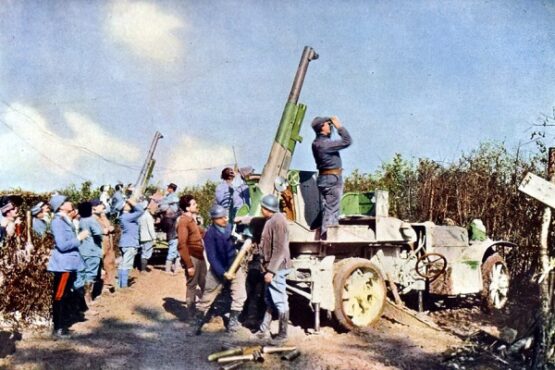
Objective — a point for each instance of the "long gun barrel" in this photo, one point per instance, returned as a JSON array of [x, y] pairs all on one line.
[[148, 167], [282, 150], [287, 134]]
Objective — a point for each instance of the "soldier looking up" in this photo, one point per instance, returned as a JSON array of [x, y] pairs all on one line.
[[64, 261], [226, 195], [328, 162]]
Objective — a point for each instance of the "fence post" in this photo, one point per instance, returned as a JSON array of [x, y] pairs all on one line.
[[543, 340]]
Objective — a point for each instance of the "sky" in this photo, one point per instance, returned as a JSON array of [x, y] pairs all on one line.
[[85, 85]]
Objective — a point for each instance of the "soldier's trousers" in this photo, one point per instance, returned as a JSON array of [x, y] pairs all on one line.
[[331, 190], [276, 294], [89, 272], [63, 282], [214, 287], [197, 280], [172, 250], [109, 261], [146, 249]]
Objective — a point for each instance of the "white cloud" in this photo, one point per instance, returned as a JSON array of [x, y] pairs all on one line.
[[35, 158], [146, 29], [90, 135], [193, 161]]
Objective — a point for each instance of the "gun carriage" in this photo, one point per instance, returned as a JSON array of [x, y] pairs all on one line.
[[346, 274]]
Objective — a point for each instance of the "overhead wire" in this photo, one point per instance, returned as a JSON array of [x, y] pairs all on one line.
[[41, 153], [63, 142], [90, 151]]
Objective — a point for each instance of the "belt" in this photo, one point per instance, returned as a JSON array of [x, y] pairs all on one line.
[[330, 171]]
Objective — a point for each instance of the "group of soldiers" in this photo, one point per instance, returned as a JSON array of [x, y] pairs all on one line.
[[84, 240]]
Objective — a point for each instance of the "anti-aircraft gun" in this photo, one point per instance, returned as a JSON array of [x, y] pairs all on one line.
[[273, 177], [148, 167], [346, 273]]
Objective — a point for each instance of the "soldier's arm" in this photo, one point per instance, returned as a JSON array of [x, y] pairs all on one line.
[[335, 145]]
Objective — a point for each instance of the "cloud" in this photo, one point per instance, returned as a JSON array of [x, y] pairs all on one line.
[[193, 161], [146, 29], [35, 158], [90, 135]]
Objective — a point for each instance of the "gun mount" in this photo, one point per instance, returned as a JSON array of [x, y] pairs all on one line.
[[346, 273]]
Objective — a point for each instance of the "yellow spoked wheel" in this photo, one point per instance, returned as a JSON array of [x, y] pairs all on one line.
[[360, 293]]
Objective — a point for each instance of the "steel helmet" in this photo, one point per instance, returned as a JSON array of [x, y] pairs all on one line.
[[270, 202], [217, 211]]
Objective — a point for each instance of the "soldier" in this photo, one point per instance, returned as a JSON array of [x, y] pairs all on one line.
[[9, 219], [108, 251], [220, 253], [118, 201], [147, 235], [274, 244], [105, 197], [191, 250], [171, 199], [129, 240], [64, 262], [243, 189], [226, 195], [39, 220], [328, 162], [170, 213]]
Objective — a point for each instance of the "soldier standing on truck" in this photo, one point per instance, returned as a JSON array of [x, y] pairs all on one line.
[[328, 162], [274, 244]]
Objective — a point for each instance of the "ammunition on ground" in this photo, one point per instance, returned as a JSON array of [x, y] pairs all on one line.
[[232, 365], [267, 349], [228, 352], [290, 356], [256, 356]]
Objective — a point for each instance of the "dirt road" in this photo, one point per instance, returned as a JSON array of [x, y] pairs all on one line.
[[146, 328]]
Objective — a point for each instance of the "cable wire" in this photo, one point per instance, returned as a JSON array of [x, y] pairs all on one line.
[[41, 153]]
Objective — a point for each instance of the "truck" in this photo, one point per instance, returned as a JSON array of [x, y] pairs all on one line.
[[369, 251]]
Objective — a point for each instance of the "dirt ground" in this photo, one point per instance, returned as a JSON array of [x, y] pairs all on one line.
[[146, 327]]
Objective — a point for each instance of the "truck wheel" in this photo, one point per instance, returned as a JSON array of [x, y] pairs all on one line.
[[360, 293], [495, 277]]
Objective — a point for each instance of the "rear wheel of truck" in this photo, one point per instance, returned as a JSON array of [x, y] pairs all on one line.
[[360, 293], [495, 277]]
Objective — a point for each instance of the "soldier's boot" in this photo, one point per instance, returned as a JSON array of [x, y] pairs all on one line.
[[191, 312], [264, 329], [283, 324], [176, 266], [123, 278], [88, 294], [200, 320], [234, 325], [168, 267], [144, 263]]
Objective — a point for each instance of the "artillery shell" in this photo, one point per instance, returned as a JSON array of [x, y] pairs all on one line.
[[290, 356], [269, 349], [232, 365], [229, 352]]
